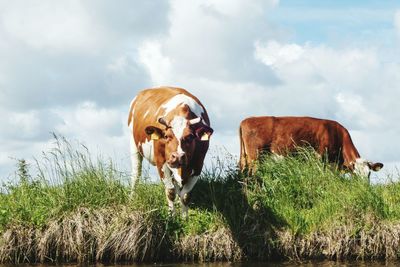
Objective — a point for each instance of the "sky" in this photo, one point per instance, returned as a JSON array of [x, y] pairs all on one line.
[[73, 67]]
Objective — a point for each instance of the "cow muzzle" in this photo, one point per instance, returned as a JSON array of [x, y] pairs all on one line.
[[177, 160]]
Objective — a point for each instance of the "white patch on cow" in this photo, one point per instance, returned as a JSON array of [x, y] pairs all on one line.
[[361, 167], [148, 151], [182, 99], [167, 180], [145, 114], [136, 158], [187, 188], [171, 206], [178, 125], [167, 177], [177, 177], [179, 149]]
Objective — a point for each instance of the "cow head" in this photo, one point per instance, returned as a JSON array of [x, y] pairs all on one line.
[[179, 138], [363, 167]]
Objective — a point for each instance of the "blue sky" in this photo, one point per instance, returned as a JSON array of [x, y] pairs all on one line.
[[337, 23], [72, 67]]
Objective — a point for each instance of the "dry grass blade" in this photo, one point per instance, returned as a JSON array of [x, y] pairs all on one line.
[[18, 244], [134, 237], [215, 246], [380, 242]]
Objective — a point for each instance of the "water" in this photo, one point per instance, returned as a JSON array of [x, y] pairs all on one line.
[[225, 264]]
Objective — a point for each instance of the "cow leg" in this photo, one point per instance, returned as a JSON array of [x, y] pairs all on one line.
[[251, 165], [185, 194], [170, 192], [136, 161], [252, 152]]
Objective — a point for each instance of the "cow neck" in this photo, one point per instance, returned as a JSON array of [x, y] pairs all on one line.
[[350, 153]]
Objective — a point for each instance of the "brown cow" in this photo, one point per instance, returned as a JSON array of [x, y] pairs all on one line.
[[171, 129], [280, 135]]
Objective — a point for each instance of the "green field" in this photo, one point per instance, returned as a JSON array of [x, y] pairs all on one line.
[[79, 209]]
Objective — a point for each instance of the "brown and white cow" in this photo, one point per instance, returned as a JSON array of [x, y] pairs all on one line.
[[281, 135], [171, 129]]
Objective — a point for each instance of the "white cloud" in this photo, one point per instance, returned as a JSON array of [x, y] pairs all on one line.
[[205, 39], [66, 51], [158, 65], [102, 130], [237, 8], [119, 64], [349, 67], [273, 53], [50, 24], [397, 22], [353, 111], [12, 150], [26, 125], [88, 120]]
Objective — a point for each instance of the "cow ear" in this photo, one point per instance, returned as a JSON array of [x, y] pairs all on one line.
[[203, 133], [375, 166], [155, 133]]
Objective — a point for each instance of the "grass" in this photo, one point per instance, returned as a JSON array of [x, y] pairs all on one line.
[[311, 195], [66, 180], [79, 209]]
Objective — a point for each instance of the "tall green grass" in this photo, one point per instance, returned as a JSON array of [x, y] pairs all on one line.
[[66, 178], [309, 194], [77, 208]]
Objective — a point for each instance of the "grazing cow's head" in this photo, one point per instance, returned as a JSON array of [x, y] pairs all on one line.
[[179, 138], [363, 167]]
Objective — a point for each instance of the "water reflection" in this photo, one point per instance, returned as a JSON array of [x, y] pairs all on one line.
[[225, 264]]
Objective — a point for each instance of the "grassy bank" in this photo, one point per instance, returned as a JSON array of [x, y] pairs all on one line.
[[76, 209]]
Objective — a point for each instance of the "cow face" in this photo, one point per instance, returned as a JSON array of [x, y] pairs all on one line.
[[363, 167], [179, 138]]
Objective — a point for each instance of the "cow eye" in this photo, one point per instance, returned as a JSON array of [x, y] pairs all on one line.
[[189, 138]]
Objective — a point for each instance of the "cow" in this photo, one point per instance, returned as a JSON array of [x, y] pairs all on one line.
[[171, 129], [281, 135]]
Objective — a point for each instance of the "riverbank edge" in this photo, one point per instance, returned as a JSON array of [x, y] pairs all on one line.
[[119, 235]]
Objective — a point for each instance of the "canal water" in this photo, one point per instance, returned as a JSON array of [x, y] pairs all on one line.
[[244, 264]]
